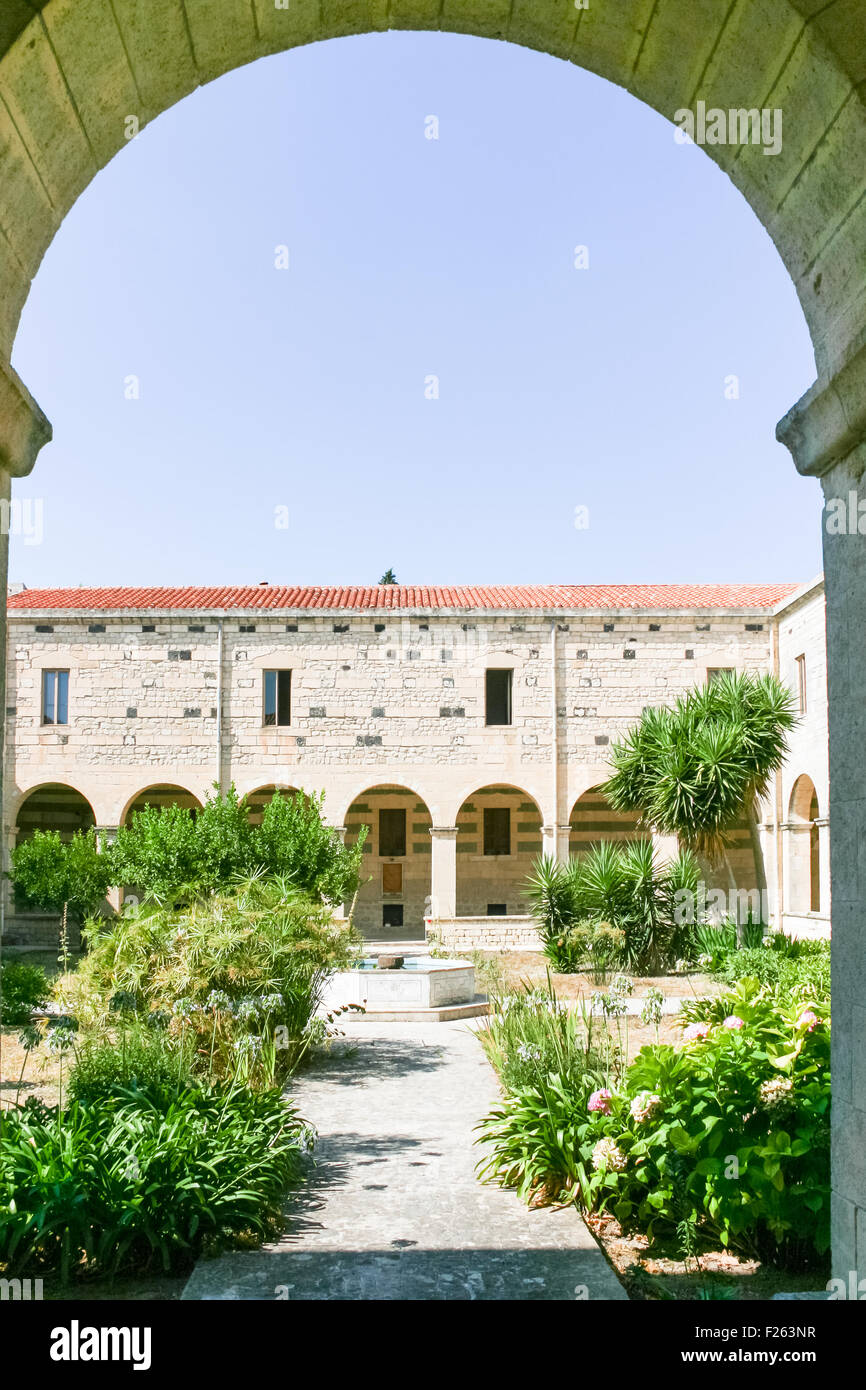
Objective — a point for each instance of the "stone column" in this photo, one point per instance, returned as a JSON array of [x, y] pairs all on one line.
[[563, 843], [667, 847], [549, 841], [826, 433], [773, 908], [443, 872], [105, 837], [23, 431], [823, 824], [788, 849]]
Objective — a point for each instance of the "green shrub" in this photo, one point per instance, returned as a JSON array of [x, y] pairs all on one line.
[[171, 853], [48, 871], [531, 1035], [294, 843], [22, 987], [157, 851], [803, 973], [623, 885], [727, 1136], [133, 1179], [139, 1059], [239, 974]]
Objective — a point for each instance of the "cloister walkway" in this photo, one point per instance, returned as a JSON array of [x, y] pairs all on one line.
[[393, 1209]]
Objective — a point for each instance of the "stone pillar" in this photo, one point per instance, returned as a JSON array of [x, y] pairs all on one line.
[[790, 867], [23, 431], [826, 433], [563, 843], [773, 908], [549, 841], [823, 824], [443, 872], [106, 836], [340, 913], [666, 847]]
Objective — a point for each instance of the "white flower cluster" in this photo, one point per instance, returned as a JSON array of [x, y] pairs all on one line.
[[644, 1106], [777, 1094], [607, 1156]]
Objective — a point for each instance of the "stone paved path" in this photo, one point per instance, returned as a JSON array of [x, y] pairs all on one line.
[[393, 1209]]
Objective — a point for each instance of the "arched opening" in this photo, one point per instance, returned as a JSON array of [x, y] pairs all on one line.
[[159, 796], [804, 853], [53, 806], [257, 800], [593, 821], [394, 895], [70, 87], [498, 838]]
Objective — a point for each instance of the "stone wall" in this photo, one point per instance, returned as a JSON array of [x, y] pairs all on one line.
[[379, 699], [483, 934]]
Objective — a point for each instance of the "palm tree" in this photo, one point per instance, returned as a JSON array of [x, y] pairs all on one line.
[[695, 770], [389, 577]]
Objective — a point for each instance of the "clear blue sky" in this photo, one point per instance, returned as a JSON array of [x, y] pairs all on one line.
[[305, 388]]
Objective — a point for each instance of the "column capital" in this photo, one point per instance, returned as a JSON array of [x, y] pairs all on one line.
[[23, 426], [829, 421], [444, 832]]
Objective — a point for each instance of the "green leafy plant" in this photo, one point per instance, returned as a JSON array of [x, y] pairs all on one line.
[[624, 886], [22, 987], [138, 1177], [239, 974], [48, 872], [140, 1058], [173, 854], [725, 1139]]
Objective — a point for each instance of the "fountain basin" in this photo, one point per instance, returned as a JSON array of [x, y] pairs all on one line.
[[421, 989]]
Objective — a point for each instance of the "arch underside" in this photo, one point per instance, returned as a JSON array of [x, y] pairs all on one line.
[[72, 76]]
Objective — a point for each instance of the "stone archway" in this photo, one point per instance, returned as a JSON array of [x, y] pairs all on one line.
[[394, 895], [803, 896], [158, 796], [79, 77], [499, 837]]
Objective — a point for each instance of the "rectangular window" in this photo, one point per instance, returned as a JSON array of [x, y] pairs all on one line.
[[278, 698], [55, 697], [801, 682], [498, 697], [713, 672], [497, 830], [392, 832], [392, 915], [497, 909]]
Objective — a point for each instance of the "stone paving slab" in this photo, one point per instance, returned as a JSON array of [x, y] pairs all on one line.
[[393, 1209]]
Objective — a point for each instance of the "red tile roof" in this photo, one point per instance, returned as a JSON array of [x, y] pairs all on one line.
[[380, 597]]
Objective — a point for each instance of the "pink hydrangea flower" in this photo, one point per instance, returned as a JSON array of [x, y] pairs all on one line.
[[808, 1020], [734, 1022], [600, 1101], [696, 1032]]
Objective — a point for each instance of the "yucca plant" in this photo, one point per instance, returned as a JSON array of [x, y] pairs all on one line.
[[695, 770]]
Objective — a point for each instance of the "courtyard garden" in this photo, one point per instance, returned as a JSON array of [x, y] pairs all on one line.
[[671, 1077], [662, 1072], [146, 1117]]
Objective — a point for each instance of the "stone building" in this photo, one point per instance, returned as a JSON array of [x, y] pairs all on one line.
[[468, 728]]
